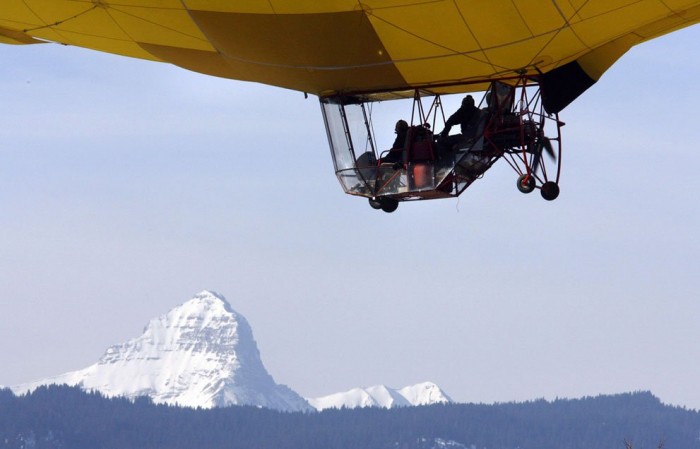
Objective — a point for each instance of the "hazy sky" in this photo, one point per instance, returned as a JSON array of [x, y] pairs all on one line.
[[127, 186]]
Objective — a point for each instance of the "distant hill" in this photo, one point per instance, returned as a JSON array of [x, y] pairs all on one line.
[[66, 417], [424, 393]]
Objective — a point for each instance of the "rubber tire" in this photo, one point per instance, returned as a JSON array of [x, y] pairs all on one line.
[[550, 190], [526, 188], [375, 203], [389, 205]]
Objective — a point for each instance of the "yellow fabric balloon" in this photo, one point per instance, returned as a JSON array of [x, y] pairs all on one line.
[[379, 48]]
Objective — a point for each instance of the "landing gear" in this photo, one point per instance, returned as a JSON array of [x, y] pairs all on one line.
[[388, 205], [526, 183], [528, 137], [550, 190]]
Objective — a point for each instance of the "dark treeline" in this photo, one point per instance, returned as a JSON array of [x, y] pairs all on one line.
[[66, 417]]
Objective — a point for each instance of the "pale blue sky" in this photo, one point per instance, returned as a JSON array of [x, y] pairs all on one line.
[[127, 186]]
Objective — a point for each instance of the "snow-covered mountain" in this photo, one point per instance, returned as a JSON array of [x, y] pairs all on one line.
[[200, 354], [425, 393]]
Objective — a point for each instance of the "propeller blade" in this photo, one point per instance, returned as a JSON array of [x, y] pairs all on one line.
[[547, 144]]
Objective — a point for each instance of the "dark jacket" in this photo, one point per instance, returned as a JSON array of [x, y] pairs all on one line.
[[396, 152], [464, 117], [400, 139]]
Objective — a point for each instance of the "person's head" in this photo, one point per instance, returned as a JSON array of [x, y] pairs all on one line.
[[468, 101], [401, 126]]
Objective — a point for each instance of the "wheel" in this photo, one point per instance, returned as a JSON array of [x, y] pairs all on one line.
[[550, 190], [526, 183], [389, 205], [375, 203]]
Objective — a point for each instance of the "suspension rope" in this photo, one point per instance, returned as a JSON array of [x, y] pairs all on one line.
[[60, 22]]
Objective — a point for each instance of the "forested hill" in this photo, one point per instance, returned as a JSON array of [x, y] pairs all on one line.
[[66, 417]]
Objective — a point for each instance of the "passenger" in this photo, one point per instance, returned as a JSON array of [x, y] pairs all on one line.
[[467, 117], [395, 155]]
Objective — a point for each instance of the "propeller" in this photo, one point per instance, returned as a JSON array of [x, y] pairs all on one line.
[[542, 143]]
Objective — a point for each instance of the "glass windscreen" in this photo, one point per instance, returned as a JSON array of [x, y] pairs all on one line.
[[348, 133]]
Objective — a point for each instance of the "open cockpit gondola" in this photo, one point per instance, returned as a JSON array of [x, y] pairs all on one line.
[[510, 123]]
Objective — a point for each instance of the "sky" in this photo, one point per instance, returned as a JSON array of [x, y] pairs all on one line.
[[127, 186]]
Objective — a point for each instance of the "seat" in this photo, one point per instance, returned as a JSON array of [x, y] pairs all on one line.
[[420, 158]]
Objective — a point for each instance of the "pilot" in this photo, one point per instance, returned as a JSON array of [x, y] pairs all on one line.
[[466, 116], [463, 116], [395, 155]]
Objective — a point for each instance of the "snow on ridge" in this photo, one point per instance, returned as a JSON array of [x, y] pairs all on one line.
[[424, 393]]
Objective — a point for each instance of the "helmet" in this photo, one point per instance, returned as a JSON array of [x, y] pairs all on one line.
[[401, 125], [468, 100]]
